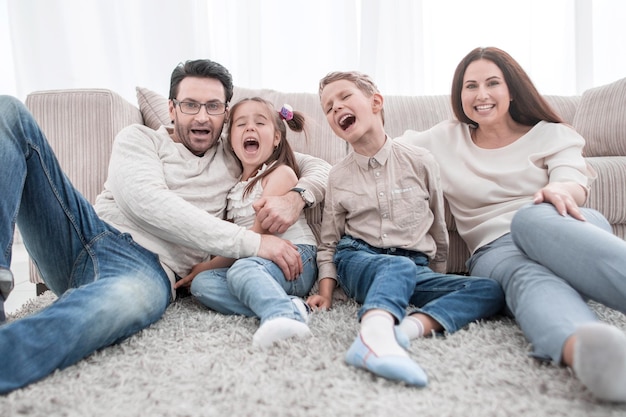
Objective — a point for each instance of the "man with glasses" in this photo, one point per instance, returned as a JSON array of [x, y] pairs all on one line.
[[114, 265]]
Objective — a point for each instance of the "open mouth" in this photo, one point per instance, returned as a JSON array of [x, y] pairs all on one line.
[[201, 132], [251, 145], [346, 121]]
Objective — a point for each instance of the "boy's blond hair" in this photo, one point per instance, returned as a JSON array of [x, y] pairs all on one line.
[[363, 82]]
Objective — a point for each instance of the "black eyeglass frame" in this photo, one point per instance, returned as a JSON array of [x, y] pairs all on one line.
[[199, 107]]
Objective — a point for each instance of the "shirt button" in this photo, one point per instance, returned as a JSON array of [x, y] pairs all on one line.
[[385, 235], [381, 194]]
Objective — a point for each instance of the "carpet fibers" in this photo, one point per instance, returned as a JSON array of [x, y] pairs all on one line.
[[195, 362]]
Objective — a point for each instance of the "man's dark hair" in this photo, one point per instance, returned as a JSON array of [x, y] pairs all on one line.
[[203, 68]]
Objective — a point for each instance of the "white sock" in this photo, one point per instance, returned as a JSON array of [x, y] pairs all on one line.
[[378, 334], [600, 360], [280, 328], [412, 327]]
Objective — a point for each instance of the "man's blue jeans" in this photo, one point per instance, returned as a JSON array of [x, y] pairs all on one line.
[[549, 266], [108, 286], [256, 287], [391, 279]]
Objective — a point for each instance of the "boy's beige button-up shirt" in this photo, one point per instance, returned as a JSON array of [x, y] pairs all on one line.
[[391, 200]]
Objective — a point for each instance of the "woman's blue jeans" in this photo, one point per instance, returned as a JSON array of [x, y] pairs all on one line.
[[108, 286], [549, 266], [256, 287], [392, 279]]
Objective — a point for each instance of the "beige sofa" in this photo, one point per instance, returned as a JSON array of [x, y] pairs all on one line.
[[81, 125]]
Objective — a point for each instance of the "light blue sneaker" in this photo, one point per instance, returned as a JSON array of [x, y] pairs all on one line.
[[396, 368]]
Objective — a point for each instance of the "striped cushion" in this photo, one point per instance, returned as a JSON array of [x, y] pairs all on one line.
[[153, 107], [601, 119]]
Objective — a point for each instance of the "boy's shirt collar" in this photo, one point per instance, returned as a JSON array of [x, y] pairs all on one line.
[[380, 158]]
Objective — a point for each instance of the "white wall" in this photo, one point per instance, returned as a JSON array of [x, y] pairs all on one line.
[[408, 46]]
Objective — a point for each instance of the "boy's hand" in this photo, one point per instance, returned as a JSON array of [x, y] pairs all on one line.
[[319, 302], [324, 298]]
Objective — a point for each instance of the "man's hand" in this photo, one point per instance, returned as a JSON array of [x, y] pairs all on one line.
[[277, 213], [283, 253]]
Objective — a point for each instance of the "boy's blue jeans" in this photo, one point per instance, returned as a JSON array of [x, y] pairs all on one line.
[[549, 266], [393, 279], [108, 286], [256, 287]]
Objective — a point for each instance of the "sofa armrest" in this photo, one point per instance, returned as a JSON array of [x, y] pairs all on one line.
[[80, 125], [607, 192]]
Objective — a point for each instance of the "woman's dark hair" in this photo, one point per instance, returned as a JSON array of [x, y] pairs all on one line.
[[203, 68], [528, 106], [283, 154]]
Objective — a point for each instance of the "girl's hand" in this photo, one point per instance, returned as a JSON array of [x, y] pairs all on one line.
[[562, 197], [186, 281]]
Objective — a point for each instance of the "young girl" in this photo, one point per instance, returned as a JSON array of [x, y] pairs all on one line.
[[256, 286]]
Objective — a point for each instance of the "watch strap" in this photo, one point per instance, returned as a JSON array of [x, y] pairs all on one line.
[[301, 191]]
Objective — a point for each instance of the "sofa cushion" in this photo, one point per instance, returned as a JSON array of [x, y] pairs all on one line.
[[565, 106], [607, 192], [601, 119], [415, 112], [153, 107]]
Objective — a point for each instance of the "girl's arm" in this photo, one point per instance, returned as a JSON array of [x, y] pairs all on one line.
[[277, 183], [214, 263], [279, 211]]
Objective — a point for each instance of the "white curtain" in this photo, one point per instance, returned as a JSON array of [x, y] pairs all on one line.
[[408, 46]]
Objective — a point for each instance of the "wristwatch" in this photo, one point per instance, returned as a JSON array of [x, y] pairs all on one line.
[[306, 195]]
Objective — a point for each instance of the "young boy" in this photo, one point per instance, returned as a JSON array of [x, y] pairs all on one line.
[[383, 224]]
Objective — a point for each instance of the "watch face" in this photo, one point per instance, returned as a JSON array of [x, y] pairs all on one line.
[[308, 197]]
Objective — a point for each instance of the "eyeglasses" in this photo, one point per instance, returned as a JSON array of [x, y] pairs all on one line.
[[190, 107]]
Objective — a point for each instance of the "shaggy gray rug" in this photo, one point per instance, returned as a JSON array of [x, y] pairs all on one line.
[[198, 363]]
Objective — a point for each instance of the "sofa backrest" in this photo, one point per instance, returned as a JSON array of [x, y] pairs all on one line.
[[401, 113], [601, 119]]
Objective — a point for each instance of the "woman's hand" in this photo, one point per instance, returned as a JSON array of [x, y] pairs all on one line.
[[564, 196]]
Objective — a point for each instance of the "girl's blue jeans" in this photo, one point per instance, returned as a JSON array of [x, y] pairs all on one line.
[[392, 279], [549, 266], [108, 286], [256, 287]]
